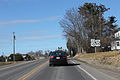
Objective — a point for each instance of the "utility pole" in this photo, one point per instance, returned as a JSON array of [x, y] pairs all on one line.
[[3, 57], [14, 46]]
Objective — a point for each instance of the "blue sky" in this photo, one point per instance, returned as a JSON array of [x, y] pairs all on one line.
[[36, 22]]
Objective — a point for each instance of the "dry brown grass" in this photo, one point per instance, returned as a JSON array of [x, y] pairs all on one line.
[[5, 63], [103, 58], [10, 62]]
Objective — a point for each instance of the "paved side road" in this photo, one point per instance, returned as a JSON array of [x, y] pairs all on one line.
[[39, 70]]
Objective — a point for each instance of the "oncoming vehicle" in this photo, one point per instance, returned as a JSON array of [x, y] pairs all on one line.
[[57, 57]]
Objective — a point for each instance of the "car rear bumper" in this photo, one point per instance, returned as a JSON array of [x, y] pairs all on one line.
[[58, 62]]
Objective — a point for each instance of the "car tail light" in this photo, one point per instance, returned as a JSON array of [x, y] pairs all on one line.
[[64, 57], [51, 57]]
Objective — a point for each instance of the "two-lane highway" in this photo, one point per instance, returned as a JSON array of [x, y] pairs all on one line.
[[68, 72], [39, 70]]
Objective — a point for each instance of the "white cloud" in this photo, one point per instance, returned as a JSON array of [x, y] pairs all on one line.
[[12, 1], [31, 38], [39, 37], [4, 41], [30, 21], [38, 32]]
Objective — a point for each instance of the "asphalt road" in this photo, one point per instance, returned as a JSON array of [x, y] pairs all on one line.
[[39, 70]]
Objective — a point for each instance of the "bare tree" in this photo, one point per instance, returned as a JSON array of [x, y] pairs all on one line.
[[85, 23], [73, 27]]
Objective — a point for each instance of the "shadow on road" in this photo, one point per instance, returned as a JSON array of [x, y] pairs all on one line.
[[72, 64], [69, 64]]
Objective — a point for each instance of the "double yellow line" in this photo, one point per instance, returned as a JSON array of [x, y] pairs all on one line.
[[37, 69]]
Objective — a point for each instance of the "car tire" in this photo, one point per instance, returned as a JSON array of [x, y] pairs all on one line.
[[66, 63], [50, 65]]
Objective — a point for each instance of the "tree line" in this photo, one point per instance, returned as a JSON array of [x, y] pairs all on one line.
[[87, 22], [24, 57]]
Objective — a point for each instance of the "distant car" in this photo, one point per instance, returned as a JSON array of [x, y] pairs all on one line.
[[57, 57]]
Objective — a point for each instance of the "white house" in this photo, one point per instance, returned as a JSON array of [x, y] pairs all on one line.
[[117, 35], [115, 45]]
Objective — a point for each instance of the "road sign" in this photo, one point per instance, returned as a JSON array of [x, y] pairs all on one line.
[[92, 42], [95, 43]]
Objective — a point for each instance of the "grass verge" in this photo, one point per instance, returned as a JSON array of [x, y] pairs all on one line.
[[104, 59], [5, 63]]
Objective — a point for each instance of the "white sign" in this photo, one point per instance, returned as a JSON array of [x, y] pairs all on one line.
[[92, 42], [95, 42]]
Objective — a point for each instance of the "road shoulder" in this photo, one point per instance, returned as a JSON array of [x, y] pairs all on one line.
[[99, 71]]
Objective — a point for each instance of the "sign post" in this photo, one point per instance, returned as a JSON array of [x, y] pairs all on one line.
[[95, 43]]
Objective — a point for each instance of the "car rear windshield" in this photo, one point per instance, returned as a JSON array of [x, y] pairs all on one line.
[[58, 54]]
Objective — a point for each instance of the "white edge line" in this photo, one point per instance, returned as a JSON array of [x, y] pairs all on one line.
[[86, 72]]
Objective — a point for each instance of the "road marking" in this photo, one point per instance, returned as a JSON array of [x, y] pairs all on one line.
[[86, 72], [24, 77]]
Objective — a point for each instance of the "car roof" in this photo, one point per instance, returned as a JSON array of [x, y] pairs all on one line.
[[58, 51]]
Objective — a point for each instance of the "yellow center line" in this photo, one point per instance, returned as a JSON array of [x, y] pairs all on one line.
[[33, 71]]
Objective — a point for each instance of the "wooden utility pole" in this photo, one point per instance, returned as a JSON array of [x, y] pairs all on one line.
[[14, 46]]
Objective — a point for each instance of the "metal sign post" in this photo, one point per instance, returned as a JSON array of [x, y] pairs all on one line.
[[95, 49]]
